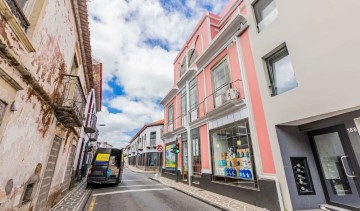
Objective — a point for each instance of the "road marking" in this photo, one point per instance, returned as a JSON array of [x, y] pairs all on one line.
[[92, 203], [129, 180], [124, 186], [126, 191]]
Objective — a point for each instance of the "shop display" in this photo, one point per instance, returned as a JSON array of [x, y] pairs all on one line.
[[232, 153], [302, 176]]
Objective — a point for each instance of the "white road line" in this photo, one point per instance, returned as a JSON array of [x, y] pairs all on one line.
[[129, 180], [124, 186], [126, 191]]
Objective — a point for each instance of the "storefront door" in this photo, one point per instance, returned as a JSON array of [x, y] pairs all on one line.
[[337, 167]]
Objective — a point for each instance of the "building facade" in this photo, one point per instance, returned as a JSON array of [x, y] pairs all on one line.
[[45, 75], [209, 113], [89, 133], [254, 106], [142, 150], [304, 79]]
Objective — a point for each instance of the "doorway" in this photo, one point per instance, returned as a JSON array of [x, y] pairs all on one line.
[[337, 166]]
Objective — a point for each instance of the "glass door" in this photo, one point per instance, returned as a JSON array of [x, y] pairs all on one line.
[[336, 166]]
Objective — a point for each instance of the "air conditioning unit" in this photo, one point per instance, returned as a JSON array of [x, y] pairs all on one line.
[[231, 94], [219, 100], [183, 121], [193, 115]]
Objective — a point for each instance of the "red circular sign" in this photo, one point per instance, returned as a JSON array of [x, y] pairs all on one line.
[[159, 148]]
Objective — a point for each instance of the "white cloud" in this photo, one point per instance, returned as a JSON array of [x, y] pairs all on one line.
[[118, 31]]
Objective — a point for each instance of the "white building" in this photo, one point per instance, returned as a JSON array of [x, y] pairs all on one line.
[[143, 152]]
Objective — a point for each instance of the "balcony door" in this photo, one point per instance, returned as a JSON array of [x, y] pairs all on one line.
[[220, 79], [337, 167]]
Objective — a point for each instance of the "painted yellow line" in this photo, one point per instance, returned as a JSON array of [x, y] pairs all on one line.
[[92, 203]]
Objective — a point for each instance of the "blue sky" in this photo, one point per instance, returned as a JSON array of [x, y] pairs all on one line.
[[137, 41]]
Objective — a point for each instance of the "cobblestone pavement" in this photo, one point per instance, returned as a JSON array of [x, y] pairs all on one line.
[[134, 169], [74, 199], [217, 200]]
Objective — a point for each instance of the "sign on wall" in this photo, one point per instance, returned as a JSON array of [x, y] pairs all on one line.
[[169, 156]]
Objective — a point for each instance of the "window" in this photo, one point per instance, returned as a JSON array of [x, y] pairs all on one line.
[[183, 107], [220, 77], [153, 159], [196, 157], [170, 118], [184, 151], [193, 99], [280, 71], [183, 67], [2, 110], [265, 13], [192, 56], [152, 138], [22, 3], [232, 156], [28, 193]]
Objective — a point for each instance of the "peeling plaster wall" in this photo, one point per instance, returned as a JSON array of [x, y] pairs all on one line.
[[26, 135]]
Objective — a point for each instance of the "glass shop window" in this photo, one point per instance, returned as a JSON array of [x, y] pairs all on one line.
[[232, 156]]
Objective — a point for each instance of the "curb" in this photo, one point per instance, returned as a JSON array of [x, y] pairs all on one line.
[[142, 172], [85, 201], [200, 199]]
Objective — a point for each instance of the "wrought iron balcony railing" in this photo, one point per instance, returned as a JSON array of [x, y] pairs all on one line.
[[177, 123], [225, 94], [90, 123], [70, 102], [18, 13], [94, 136]]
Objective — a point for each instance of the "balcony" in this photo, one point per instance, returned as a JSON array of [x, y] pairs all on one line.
[[220, 100], [70, 102], [90, 124], [94, 136], [178, 123]]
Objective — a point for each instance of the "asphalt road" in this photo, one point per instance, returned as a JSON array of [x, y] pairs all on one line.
[[138, 192]]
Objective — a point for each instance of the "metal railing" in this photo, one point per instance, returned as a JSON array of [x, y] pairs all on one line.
[[94, 136], [177, 123], [17, 11], [70, 102], [226, 93], [90, 123]]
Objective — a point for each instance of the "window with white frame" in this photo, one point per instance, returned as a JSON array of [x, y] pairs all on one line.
[[152, 138], [280, 72], [265, 13], [170, 118], [183, 67], [220, 78], [193, 92], [192, 54], [183, 107]]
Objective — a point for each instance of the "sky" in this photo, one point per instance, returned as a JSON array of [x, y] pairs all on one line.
[[137, 42]]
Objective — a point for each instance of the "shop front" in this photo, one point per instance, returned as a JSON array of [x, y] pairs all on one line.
[[232, 156], [323, 159]]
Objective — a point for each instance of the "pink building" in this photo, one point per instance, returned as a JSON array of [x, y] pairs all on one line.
[[214, 111]]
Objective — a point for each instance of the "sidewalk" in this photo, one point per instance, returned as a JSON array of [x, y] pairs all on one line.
[[75, 199], [136, 170], [217, 200]]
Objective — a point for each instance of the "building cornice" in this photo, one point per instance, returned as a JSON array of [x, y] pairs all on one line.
[[170, 95], [233, 28]]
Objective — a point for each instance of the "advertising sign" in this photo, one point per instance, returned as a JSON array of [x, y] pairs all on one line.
[[169, 156]]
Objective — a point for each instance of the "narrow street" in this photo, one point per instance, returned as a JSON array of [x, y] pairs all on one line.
[[139, 192]]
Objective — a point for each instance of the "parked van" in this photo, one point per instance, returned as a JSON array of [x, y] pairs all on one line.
[[106, 167]]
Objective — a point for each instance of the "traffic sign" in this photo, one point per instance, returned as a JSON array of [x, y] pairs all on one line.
[[159, 148]]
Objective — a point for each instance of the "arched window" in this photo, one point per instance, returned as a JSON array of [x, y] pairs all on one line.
[[183, 67]]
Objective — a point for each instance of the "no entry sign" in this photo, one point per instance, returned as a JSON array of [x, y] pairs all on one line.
[[159, 148]]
